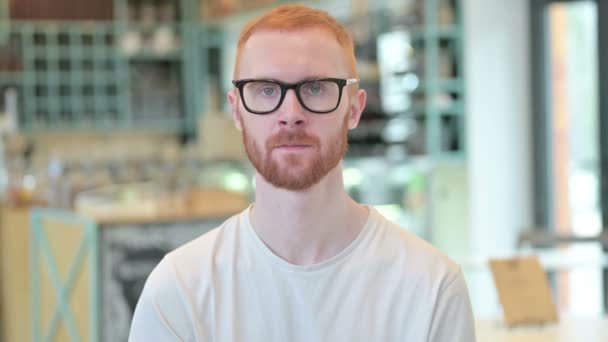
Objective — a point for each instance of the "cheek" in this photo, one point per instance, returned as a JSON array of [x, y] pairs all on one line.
[[256, 130], [331, 132]]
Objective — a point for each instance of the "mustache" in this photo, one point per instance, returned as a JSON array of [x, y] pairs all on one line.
[[291, 137]]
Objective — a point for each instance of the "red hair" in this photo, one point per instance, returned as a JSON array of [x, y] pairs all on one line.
[[294, 18]]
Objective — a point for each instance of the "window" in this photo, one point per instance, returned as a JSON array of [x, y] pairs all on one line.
[[570, 121]]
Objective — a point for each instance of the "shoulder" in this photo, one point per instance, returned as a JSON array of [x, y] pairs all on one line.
[[195, 260], [162, 311], [211, 244], [184, 274], [412, 255], [192, 257]]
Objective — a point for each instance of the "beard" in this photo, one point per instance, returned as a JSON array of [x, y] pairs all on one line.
[[296, 172]]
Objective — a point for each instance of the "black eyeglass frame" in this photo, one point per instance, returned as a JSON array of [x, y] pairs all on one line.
[[285, 86]]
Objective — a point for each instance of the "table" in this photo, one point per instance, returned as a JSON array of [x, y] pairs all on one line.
[[569, 329]]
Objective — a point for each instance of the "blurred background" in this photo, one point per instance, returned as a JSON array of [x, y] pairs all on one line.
[[485, 133]]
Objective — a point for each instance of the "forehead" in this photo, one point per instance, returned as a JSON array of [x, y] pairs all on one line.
[[292, 55]]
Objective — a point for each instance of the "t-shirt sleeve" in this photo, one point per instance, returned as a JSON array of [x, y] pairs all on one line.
[[161, 313], [453, 317]]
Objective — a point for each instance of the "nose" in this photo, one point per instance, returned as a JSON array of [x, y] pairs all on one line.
[[291, 112]]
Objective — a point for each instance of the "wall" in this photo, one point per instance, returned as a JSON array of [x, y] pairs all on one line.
[[499, 133]]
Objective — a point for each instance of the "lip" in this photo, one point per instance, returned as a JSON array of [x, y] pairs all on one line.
[[292, 147]]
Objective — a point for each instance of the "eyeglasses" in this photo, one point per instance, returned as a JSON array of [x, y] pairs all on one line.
[[321, 96]]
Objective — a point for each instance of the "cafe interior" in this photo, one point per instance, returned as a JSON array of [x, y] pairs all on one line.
[[485, 133]]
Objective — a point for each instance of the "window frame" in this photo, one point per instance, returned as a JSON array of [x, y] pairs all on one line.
[[543, 197]]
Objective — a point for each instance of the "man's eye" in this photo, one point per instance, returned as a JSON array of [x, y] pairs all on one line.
[[315, 88], [268, 91]]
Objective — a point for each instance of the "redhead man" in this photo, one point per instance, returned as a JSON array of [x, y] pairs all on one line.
[[304, 262]]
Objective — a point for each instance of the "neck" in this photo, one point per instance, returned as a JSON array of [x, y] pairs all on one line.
[[307, 227]]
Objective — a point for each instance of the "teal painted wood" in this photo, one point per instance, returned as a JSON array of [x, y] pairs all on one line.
[[25, 34], [206, 38], [192, 74], [65, 73], [186, 58], [436, 38], [94, 282], [431, 77], [88, 85], [459, 55], [189, 10], [75, 77], [35, 281], [189, 54], [63, 288]]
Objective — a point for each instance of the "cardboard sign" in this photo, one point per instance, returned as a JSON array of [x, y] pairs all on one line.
[[523, 291]]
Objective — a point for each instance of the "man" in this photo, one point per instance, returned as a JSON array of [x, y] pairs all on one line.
[[305, 262]]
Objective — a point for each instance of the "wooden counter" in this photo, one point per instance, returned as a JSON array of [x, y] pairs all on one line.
[[569, 329], [129, 244], [15, 308], [193, 205]]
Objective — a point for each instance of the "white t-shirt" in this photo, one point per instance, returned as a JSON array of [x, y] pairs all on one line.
[[227, 285]]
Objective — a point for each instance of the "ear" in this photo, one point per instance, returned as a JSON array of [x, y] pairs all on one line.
[[357, 104], [232, 96]]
